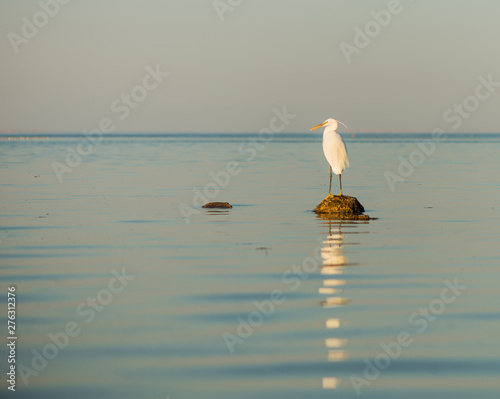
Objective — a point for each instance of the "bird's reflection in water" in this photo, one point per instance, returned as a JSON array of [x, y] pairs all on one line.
[[334, 264]]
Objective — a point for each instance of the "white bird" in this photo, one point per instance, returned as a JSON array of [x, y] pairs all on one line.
[[334, 150]]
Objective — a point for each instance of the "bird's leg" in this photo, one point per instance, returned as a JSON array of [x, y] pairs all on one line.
[[330, 189], [340, 180]]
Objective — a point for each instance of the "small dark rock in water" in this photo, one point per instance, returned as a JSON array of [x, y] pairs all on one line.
[[220, 205], [342, 207]]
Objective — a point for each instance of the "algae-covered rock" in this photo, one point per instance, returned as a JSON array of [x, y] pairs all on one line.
[[218, 205], [342, 207]]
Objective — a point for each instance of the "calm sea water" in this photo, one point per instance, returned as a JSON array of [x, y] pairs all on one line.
[[127, 288]]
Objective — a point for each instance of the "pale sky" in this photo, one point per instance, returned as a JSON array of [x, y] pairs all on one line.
[[228, 71]]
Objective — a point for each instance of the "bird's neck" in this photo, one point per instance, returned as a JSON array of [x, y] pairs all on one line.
[[329, 130]]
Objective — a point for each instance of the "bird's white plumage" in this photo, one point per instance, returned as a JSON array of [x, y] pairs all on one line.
[[335, 150]]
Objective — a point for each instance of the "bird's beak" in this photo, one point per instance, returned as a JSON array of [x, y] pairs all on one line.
[[315, 127]]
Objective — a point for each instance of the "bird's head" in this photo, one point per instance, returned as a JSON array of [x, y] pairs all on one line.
[[329, 123]]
